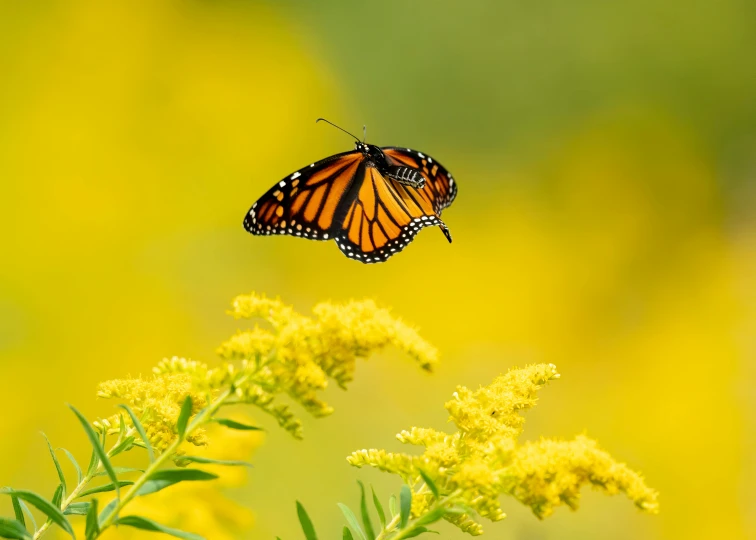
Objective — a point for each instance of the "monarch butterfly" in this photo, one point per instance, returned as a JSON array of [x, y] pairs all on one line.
[[372, 201]]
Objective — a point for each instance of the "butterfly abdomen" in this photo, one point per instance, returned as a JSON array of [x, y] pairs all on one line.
[[407, 176]]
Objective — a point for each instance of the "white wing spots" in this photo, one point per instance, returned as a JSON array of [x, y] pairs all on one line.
[[325, 236], [408, 150], [282, 183], [421, 155], [295, 175], [312, 164], [430, 159]]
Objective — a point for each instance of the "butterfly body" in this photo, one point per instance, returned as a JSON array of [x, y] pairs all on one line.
[[372, 201]]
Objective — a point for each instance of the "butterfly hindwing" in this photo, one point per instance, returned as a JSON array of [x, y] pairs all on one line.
[[384, 217], [305, 202]]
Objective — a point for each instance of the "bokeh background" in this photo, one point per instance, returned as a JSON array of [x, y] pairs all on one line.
[[606, 222]]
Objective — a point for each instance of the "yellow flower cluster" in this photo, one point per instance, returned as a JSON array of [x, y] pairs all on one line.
[[157, 403], [294, 355], [298, 354], [483, 460]]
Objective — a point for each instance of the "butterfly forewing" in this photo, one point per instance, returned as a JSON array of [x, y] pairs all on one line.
[[305, 202]]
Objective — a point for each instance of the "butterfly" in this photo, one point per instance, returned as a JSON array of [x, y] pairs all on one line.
[[371, 201]]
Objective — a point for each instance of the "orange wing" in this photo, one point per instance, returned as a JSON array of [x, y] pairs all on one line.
[[385, 216], [305, 203]]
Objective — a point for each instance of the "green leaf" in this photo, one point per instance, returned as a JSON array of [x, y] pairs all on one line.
[[185, 460], [19, 513], [139, 522], [236, 425], [346, 534], [55, 515], [61, 477], [118, 470], [162, 479], [365, 514], [140, 429], [123, 446], [304, 520], [418, 531], [429, 483], [379, 508], [28, 514], [11, 528], [92, 528], [97, 446], [392, 506], [57, 497], [72, 459], [183, 419], [432, 516], [105, 488], [77, 509], [405, 503], [352, 521], [105, 514]]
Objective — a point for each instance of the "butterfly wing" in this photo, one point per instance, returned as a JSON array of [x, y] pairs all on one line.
[[305, 203], [384, 216], [440, 189]]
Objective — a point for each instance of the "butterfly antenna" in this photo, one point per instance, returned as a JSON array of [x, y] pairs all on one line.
[[337, 127]]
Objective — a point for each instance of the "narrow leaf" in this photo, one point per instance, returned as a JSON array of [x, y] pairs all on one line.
[[97, 446], [94, 462], [121, 427], [186, 460], [57, 497], [118, 470], [72, 459], [61, 477], [405, 503], [418, 531], [304, 520], [92, 529], [28, 514], [105, 514], [11, 528], [432, 516], [236, 425], [77, 509], [42, 505], [183, 419], [365, 514], [392, 506], [140, 429], [123, 446], [105, 488], [352, 521], [429, 483], [19, 513], [139, 522], [162, 479], [347, 534], [379, 508]]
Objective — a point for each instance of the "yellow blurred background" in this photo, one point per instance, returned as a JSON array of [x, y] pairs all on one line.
[[606, 222]]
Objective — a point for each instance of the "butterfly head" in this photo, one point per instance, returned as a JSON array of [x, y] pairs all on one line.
[[371, 152]]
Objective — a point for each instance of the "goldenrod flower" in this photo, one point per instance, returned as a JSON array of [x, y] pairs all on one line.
[[298, 354], [157, 402], [483, 460]]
